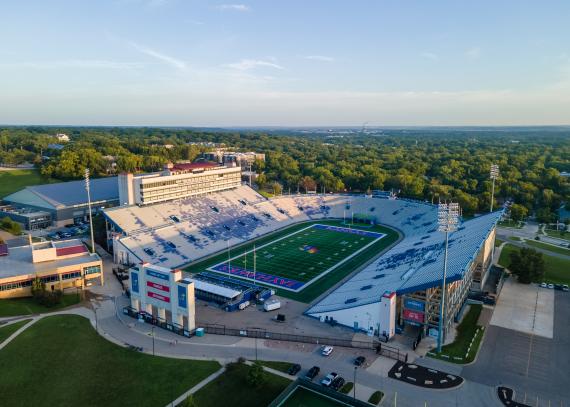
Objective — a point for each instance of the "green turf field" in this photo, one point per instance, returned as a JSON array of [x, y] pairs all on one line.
[[302, 397], [332, 255], [298, 259]]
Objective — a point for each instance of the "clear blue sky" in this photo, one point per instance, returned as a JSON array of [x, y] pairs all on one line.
[[289, 62]]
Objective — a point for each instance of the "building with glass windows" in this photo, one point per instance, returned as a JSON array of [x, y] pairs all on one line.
[[60, 266]]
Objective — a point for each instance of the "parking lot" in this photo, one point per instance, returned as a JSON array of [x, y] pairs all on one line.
[[531, 361]]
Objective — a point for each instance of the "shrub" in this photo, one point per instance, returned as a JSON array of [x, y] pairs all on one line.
[[347, 388], [256, 375], [376, 397]]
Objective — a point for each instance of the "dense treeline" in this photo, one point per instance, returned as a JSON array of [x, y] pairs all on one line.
[[428, 164]]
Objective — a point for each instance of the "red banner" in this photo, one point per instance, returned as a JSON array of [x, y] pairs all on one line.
[[158, 286], [415, 316], [158, 296]]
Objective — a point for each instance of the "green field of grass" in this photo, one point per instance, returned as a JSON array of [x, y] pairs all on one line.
[[305, 265], [6, 331], [14, 180], [27, 305], [549, 247], [557, 269], [559, 234], [511, 224], [302, 397], [61, 361], [232, 389], [465, 332]]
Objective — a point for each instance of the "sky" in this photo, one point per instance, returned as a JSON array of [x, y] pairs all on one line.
[[285, 62]]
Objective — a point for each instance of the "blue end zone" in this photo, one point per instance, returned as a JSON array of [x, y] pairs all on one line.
[[277, 281], [349, 230]]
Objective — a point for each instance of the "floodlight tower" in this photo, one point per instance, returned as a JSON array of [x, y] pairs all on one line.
[[87, 187], [494, 174], [447, 219]]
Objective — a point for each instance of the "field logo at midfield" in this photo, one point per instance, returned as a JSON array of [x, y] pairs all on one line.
[[309, 249], [259, 276]]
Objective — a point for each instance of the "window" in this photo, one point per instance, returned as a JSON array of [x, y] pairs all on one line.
[[92, 270]]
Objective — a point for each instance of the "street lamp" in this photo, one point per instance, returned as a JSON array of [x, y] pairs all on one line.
[[152, 330], [447, 219], [494, 174], [96, 320], [87, 187], [354, 386]]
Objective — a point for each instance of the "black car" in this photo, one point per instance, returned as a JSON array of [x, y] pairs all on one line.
[[313, 372], [294, 369], [337, 383], [359, 361]]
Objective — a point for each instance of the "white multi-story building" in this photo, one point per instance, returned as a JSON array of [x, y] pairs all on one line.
[[177, 181]]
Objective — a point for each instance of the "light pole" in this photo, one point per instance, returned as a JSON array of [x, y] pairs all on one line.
[[152, 330], [87, 187], [494, 174], [447, 219], [96, 320], [354, 381]]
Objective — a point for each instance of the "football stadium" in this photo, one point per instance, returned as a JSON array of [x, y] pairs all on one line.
[[371, 263]]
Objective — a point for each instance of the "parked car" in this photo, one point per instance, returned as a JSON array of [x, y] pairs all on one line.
[[328, 379], [313, 372], [337, 383], [564, 287], [551, 286], [65, 235], [326, 350], [359, 361], [544, 285], [294, 369]]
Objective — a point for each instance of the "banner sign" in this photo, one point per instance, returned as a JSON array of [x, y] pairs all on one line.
[[156, 274], [414, 316], [135, 282], [157, 296], [182, 300], [414, 304], [158, 286]]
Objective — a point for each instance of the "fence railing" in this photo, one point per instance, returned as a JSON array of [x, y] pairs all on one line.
[[252, 332]]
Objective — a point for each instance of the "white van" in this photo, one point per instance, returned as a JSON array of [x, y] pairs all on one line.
[[271, 305]]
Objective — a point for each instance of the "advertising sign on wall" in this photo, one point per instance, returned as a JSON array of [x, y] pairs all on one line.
[[134, 282], [158, 286], [415, 316], [414, 304], [157, 296], [182, 300], [156, 274]]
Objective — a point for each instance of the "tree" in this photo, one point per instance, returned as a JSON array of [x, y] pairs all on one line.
[[527, 264], [256, 375], [308, 184], [277, 188], [518, 212]]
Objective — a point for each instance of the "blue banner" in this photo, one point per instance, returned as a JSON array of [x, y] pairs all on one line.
[[414, 304], [156, 274], [134, 282], [182, 300]]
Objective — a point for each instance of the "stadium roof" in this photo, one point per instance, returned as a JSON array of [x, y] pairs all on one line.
[[64, 194], [415, 264]]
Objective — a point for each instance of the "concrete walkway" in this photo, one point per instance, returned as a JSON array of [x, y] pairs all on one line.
[[18, 332]]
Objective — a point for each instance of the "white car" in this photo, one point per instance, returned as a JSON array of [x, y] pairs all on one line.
[[543, 285], [326, 350], [551, 286], [328, 379], [564, 287]]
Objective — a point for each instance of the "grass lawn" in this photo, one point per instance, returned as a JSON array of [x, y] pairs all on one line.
[[232, 389], [511, 224], [27, 305], [557, 269], [314, 251], [280, 366], [498, 242], [515, 238], [549, 247], [61, 361], [12, 181], [6, 331], [465, 333], [558, 234], [303, 397]]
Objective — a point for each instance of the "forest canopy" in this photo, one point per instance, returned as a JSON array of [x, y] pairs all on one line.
[[429, 164]]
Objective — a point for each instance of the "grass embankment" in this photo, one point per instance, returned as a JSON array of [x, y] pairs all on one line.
[[557, 270], [549, 247], [61, 361], [279, 366], [557, 233], [15, 180], [26, 306], [498, 242], [467, 339], [314, 290], [232, 388], [6, 331]]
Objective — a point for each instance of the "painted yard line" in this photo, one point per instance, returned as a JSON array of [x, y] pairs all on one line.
[[308, 283]]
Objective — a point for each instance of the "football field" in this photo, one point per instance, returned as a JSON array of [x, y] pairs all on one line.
[[297, 260]]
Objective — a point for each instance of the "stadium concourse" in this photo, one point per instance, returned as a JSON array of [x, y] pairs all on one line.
[[401, 288]]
